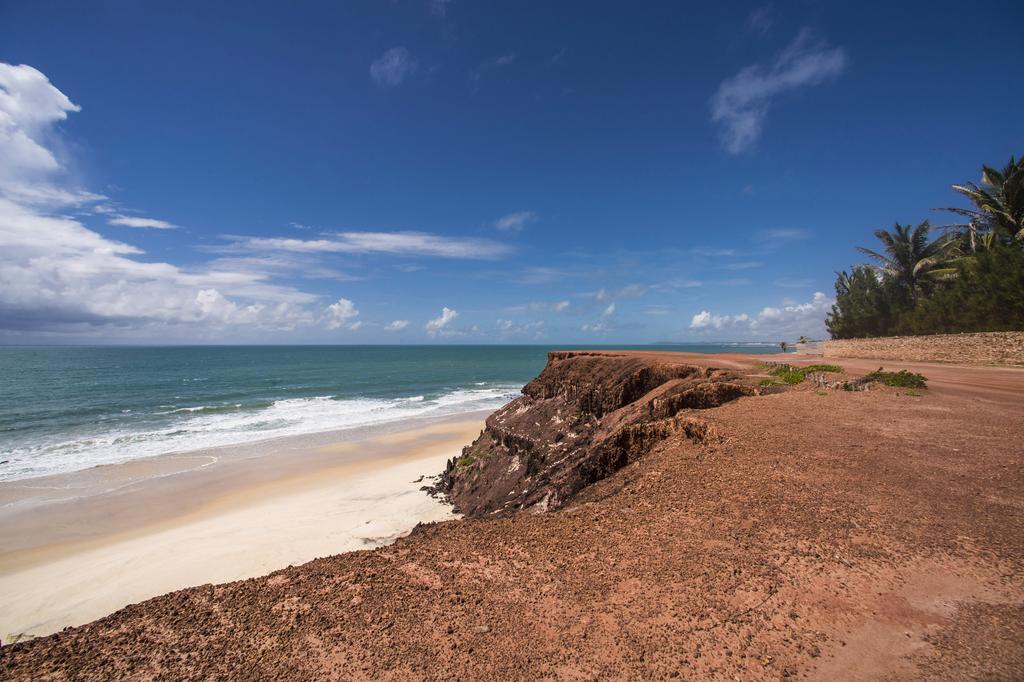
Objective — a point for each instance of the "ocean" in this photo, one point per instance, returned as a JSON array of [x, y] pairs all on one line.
[[70, 408]]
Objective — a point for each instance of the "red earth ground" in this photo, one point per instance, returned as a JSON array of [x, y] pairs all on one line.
[[828, 535]]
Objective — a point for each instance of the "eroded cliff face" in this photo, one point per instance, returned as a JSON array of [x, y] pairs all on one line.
[[586, 416]]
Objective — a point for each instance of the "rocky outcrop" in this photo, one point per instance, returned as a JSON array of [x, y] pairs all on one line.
[[586, 416]]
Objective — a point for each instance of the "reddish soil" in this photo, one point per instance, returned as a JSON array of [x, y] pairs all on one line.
[[829, 534]]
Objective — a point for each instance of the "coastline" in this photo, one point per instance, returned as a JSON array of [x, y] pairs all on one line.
[[128, 532], [801, 532]]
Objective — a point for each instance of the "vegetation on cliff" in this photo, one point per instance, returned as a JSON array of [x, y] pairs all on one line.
[[970, 278]]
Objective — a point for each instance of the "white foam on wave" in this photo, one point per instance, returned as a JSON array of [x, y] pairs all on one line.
[[201, 427]]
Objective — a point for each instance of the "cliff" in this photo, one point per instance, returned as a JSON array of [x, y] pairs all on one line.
[[583, 418]]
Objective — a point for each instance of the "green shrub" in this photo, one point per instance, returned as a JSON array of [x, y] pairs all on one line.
[[821, 368], [790, 374], [900, 379]]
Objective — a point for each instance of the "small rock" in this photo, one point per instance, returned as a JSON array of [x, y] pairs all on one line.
[[482, 629]]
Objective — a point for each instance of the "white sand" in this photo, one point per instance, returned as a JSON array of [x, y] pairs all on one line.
[[249, 531]]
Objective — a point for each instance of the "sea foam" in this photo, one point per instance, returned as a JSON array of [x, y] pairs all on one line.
[[189, 428]]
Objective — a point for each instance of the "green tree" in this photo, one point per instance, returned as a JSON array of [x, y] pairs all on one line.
[[998, 206], [867, 304], [912, 261], [988, 295]]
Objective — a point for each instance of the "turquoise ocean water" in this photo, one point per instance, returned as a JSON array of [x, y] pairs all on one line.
[[70, 408]]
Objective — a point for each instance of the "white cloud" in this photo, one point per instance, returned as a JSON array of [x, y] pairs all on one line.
[[59, 276], [30, 109], [342, 314], [761, 20], [130, 221], [742, 265], [597, 327], [790, 320], [510, 328], [538, 307], [628, 291], [742, 102], [515, 222], [491, 64], [705, 320], [438, 324], [783, 235], [393, 67], [711, 251], [395, 243], [610, 310], [396, 326]]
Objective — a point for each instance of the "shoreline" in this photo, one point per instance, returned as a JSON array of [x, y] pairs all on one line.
[[143, 528], [805, 532]]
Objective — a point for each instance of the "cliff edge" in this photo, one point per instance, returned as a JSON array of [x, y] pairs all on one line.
[[583, 418]]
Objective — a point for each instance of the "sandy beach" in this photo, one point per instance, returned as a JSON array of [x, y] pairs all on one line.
[[78, 546], [810, 533]]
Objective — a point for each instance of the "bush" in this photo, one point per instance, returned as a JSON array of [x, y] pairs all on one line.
[[821, 368], [789, 374], [901, 379]]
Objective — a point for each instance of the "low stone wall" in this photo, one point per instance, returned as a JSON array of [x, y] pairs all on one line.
[[988, 348]]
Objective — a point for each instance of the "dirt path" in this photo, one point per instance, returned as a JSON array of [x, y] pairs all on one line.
[[829, 535]]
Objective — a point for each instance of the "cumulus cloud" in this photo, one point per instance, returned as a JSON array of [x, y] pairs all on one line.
[[59, 276], [393, 67], [342, 314], [56, 274], [395, 243], [439, 324], [131, 221], [742, 102], [396, 326], [610, 310], [30, 109], [790, 320], [515, 222]]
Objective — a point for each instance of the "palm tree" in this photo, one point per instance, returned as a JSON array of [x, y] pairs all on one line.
[[998, 205], [910, 259]]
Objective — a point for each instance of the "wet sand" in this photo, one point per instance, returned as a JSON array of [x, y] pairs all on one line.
[[78, 546]]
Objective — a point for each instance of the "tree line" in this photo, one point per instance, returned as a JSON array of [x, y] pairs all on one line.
[[963, 277]]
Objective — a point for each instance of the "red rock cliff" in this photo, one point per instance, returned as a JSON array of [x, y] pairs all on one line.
[[586, 416]]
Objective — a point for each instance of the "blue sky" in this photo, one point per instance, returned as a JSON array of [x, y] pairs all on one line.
[[409, 172]]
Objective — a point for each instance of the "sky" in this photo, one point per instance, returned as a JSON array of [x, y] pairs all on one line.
[[447, 171]]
